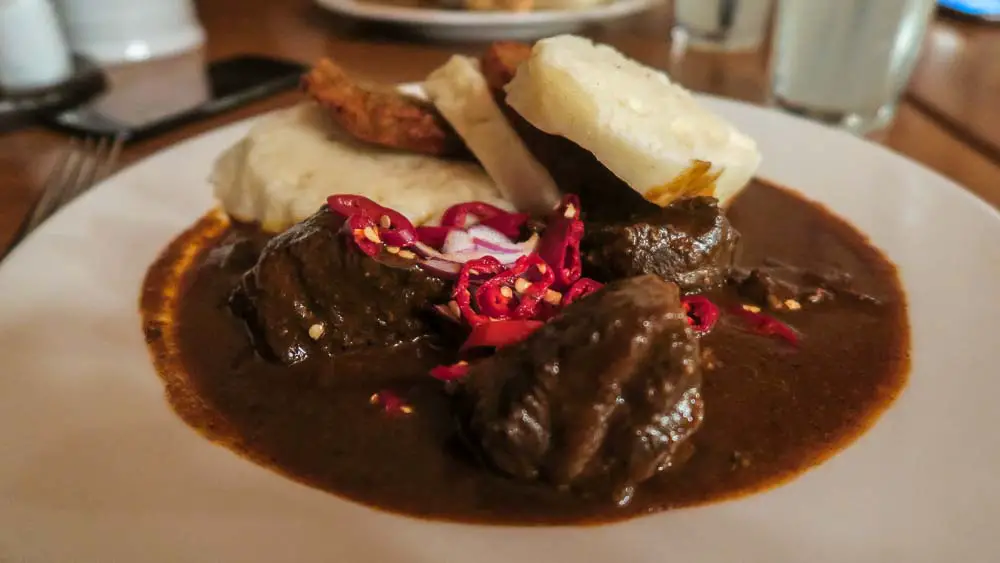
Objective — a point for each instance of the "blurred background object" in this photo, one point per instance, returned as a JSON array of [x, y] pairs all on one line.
[[846, 62], [142, 93], [723, 25], [116, 31], [983, 10], [33, 52], [38, 73], [466, 21], [948, 117], [152, 97]]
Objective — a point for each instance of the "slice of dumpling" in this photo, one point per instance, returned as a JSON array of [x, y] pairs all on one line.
[[645, 129], [460, 93], [291, 160]]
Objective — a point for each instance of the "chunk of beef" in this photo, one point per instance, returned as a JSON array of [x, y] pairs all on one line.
[[313, 290], [689, 242], [599, 399], [778, 286]]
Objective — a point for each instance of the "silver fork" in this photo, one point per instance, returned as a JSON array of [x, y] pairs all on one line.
[[79, 167]]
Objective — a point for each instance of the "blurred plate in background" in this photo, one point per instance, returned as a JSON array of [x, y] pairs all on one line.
[[468, 25]]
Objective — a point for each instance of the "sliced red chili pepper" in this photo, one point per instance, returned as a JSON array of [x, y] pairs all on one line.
[[502, 296], [451, 373], [495, 297], [569, 207], [491, 299], [582, 288], [363, 231], [508, 223], [395, 229], [560, 248], [390, 402], [462, 292], [767, 326], [542, 278], [498, 334], [349, 204], [433, 236], [702, 314]]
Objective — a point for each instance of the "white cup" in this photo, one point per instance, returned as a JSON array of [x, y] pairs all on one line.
[[117, 31], [33, 53]]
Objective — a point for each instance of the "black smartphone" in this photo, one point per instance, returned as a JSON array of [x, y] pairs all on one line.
[[985, 10], [149, 98]]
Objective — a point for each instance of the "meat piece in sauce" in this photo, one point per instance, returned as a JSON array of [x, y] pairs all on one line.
[[778, 286], [689, 242], [599, 399], [385, 118], [313, 290]]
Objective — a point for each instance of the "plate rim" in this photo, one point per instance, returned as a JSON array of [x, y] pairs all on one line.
[[564, 536], [456, 18]]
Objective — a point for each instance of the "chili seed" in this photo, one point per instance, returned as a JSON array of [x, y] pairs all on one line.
[[316, 331], [521, 285]]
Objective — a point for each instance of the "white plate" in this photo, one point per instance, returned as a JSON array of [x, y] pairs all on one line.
[[94, 466], [458, 25]]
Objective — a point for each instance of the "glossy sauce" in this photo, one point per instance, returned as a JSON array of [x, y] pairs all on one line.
[[772, 409]]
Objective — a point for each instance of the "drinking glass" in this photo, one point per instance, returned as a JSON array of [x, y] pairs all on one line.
[[721, 25], [846, 62]]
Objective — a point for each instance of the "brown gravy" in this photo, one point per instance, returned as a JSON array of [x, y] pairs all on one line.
[[773, 410]]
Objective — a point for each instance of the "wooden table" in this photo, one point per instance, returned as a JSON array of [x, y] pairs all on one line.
[[296, 29], [957, 81]]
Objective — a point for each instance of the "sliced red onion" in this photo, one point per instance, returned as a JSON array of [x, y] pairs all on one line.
[[426, 251], [477, 253], [441, 268], [460, 258], [458, 241], [491, 239], [521, 248], [489, 234], [507, 248]]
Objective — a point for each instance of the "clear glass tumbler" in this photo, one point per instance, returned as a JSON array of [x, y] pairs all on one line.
[[846, 62], [721, 25]]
